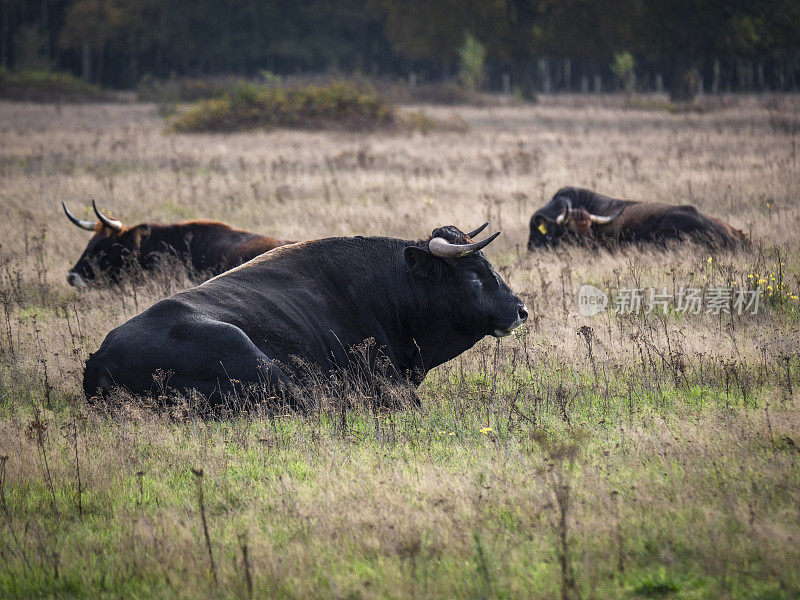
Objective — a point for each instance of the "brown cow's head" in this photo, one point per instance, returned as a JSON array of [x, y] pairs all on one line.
[[580, 222], [111, 249], [557, 219]]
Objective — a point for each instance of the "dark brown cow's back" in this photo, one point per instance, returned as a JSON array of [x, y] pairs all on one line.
[[204, 247]]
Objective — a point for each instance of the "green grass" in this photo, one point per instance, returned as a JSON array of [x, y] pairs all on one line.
[[677, 499]]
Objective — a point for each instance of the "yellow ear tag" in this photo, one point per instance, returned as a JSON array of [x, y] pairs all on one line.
[[543, 228]]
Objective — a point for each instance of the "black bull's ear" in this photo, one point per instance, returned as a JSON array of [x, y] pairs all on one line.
[[540, 223], [421, 263]]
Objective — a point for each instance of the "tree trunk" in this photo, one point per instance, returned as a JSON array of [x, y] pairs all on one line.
[[86, 62], [45, 28], [4, 35], [133, 69], [522, 75], [100, 60]]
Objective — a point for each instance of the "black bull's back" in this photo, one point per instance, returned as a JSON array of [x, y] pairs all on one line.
[[312, 301]]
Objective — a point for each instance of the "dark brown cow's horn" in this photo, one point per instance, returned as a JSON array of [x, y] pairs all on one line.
[[112, 223], [443, 249], [472, 234], [87, 225]]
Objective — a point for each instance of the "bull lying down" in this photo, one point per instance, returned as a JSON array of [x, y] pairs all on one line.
[[260, 326], [575, 214], [204, 248]]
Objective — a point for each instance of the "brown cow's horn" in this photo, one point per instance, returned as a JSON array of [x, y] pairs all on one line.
[[112, 223], [600, 220], [472, 234], [87, 225], [443, 249]]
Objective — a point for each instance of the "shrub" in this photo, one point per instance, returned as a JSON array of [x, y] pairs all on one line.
[[449, 93], [421, 122], [623, 68], [48, 86], [472, 56], [340, 104]]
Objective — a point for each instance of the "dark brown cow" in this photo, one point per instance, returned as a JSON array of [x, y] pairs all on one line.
[[205, 247], [576, 214]]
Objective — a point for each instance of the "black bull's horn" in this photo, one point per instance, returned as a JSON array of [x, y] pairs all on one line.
[[475, 232], [87, 225], [443, 249], [112, 223]]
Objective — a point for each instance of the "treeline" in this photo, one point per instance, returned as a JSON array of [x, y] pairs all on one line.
[[527, 45]]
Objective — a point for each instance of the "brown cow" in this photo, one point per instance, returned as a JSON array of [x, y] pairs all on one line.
[[583, 215], [205, 247]]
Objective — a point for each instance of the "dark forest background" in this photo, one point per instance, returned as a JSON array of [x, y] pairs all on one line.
[[530, 45]]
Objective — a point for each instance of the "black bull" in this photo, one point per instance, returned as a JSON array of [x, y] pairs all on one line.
[[204, 247], [579, 214], [423, 303]]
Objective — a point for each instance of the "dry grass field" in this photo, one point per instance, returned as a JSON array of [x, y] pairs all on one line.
[[615, 456]]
